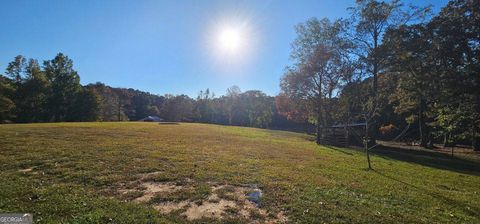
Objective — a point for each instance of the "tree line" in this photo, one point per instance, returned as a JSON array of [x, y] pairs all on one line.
[[53, 93], [388, 64]]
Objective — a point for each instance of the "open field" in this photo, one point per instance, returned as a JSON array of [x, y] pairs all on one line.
[[149, 172]]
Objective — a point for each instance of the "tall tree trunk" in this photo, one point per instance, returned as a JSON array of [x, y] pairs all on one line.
[[375, 65], [366, 145], [445, 140], [306, 126], [319, 111], [475, 140], [319, 122], [375, 68], [319, 119], [475, 134], [119, 109], [421, 125], [319, 129], [347, 143]]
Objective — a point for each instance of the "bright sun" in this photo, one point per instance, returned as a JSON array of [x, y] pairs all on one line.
[[231, 43], [230, 40]]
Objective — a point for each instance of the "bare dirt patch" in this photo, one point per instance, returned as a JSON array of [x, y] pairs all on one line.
[[208, 209], [150, 189], [168, 207], [29, 170], [208, 200], [149, 175], [26, 170], [248, 203]]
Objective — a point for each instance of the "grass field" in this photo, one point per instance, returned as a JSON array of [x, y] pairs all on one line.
[[173, 173]]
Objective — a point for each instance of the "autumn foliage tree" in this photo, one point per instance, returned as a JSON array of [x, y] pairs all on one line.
[[317, 53]]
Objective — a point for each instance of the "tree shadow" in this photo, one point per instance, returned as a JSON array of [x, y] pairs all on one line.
[[168, 123], [474, 211], [429, 158], [338, 149], [309, 130]]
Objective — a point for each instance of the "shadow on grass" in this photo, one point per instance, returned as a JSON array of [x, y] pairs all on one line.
[[341, 150], [474, 211], [168, 123], [310, 130], [429, 158]]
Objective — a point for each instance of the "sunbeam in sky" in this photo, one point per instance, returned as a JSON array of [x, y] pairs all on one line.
[[230, 40], [231, 44]]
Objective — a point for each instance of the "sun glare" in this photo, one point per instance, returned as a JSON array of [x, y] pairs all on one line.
[[231, 43], [230, 40]]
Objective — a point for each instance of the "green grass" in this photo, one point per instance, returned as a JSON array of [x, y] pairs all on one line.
[[78, 167]]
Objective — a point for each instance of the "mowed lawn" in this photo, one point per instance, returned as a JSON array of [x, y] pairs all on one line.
[[79, 173]]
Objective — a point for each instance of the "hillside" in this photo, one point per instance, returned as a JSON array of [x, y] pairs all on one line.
[[182, 172]]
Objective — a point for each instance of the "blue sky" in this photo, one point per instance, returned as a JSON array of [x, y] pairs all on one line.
[[163, 46]]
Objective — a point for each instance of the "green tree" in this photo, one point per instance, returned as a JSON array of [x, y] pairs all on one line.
[[16, 69], [108, 103], [86, 106], [32, 94], [7, 105], [456, 45], [65, 85], [257, 108], [411, 58], [177, 108], [370, 20], [204, 109], [143, 105], [31, 88], [231, 102]]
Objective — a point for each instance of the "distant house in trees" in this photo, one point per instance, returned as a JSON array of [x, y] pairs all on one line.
[[152, 119]]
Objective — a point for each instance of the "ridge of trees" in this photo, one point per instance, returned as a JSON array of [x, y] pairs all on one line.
[[53, 93]]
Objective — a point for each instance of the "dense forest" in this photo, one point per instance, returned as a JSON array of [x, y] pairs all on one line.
[[389, 65]]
